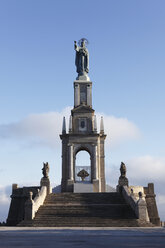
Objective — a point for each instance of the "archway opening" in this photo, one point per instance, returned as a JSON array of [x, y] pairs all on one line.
[[83, 162]]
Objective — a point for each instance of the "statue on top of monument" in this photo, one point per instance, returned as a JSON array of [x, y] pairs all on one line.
[[45, 170], [122, 169], [82, 59]]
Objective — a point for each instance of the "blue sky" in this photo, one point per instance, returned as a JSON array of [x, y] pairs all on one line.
[[127, 60]]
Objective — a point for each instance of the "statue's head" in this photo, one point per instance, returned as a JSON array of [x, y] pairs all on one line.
[[122, 164], [123, 169], [83, 42]]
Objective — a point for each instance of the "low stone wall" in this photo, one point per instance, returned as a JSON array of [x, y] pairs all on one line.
[[17, 206]]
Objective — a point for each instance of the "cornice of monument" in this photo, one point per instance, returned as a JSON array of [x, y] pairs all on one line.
[[83, 81], [83, 108]]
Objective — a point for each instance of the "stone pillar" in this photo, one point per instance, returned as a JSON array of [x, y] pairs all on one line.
[[94, 163], [14, 186], [76, 95], [89, 95], [95, 124], [102, 164], [70, 124], [46, 182], [141, 208], [102, 125], [64, 126], [29, 207], [70, 172]]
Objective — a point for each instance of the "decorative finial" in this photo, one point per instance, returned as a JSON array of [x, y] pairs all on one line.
[[64, 126], [70, 124], [82, 59], [102, 125]]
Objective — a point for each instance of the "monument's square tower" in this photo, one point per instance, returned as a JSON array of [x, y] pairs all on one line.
[[83, 135]]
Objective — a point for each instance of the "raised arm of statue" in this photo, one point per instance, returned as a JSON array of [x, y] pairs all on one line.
[[75, 46]]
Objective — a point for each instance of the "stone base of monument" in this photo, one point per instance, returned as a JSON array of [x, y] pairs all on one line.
[[85, 210], [46, 182], [83, 187]]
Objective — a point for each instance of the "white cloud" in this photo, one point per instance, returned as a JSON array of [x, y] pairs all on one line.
[[141, 171], [118, 129], [161, 203], [146, 168], [161, 199], [39, 129], [5, 192]]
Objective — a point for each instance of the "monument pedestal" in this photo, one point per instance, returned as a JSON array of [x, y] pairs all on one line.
[[83, 187], [46, 182]]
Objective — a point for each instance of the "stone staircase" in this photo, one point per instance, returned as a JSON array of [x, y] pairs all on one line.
[[85, 210]]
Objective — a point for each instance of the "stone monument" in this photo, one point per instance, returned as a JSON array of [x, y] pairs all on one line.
[[83, 202], [83, 134]]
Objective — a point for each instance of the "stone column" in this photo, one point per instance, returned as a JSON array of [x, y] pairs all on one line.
[[76, 95], [70, 172], [95, 124], [70, 124], [94, 163], [89, 95]]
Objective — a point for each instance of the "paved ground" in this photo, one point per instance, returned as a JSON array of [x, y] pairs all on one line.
[[82, 237]]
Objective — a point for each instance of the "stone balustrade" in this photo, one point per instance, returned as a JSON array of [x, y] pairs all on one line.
[[139, 206], [32, 206]]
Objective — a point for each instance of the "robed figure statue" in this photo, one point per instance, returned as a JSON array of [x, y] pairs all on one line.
[[82, 59]]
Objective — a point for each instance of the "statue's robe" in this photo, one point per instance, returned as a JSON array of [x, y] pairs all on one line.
[[82, 60]]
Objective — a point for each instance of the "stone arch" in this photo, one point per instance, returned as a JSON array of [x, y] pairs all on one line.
[[78, 148], [81, 147]]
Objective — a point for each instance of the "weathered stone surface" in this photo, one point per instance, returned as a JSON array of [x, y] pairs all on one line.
[[83, 187], [151, 204], [85, 209], [17, 206], [83, 136], [46, 182]]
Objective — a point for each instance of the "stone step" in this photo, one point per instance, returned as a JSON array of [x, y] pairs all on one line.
[[85, 210], [85, 197], [86, 222], [109, 210]]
